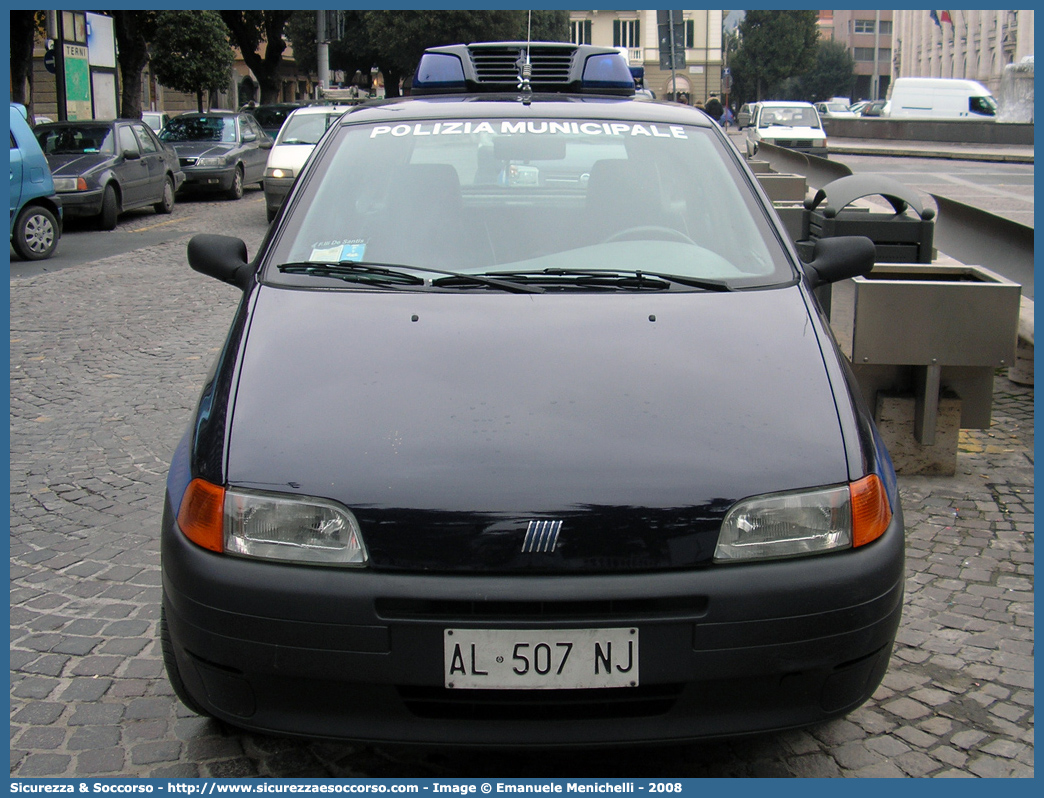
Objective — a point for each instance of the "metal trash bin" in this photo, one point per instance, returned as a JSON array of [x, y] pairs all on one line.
[[899, 237]]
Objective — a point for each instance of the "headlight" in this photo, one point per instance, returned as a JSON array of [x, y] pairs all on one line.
[[804, 522], [270, 526], [70, 184], [818, 142], [210, 162], [279, 173]]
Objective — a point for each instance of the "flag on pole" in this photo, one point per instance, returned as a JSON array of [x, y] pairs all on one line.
[[945, 17], [935, 17]]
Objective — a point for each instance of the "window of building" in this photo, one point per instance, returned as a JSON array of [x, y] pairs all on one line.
[[866, 54], [867, 26], [626, 33], [690, 33], [580, 31]]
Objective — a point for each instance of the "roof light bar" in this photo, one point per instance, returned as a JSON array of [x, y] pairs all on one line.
[[555, 67]]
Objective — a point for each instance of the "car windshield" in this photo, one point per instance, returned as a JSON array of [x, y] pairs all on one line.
[[501, 196], [789, 116], [836, 108], [200, 128], [986, 106], [307, 128], [76, 139]]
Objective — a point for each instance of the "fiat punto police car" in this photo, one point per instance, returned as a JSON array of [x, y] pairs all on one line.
[[529, 430]]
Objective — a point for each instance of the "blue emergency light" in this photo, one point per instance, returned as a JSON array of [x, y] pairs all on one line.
[[439, 72]]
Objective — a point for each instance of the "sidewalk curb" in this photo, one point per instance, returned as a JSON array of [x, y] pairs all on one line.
[[953, 155]]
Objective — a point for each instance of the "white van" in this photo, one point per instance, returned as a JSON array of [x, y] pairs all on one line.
[[940, 98]]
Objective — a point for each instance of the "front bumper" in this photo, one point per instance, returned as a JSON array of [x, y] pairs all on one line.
[[276, 189], [358, 654], [218, 179], [82, 203]]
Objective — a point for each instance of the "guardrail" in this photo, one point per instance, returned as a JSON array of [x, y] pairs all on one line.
[[965, 233], [963, 132]]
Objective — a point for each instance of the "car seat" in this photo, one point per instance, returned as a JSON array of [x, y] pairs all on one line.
[[424, 220], [621, 195]]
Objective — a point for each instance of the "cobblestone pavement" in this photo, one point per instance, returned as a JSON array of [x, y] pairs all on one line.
[[106, 363]]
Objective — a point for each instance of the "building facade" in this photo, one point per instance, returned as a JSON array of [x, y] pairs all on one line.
[[975, 45], [637, 33], [868, 37]]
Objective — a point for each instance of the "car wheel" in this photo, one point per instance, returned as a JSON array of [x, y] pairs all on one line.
[[236, 191], [166, 204], [109, 210], [35, 233], [170, 663]]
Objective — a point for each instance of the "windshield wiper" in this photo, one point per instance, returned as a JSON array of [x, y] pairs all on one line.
[[639, 279], [353, 272], [393, 274]]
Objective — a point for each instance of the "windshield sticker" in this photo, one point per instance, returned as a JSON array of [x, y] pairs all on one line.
[[338, 251], [508, 128]]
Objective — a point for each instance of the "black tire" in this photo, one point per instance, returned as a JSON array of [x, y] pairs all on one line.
[[236, 190], [166, 203], [35, 235], [170, 662], [110, 209]]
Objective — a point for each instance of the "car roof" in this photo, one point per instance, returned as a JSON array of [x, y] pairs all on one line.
[[784, 103], [586, 108], [321, 109], [84, 123]]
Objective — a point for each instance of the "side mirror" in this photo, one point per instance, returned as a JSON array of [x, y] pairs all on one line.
[[839, 258], [266, 143], [221, 257], [131, 155]]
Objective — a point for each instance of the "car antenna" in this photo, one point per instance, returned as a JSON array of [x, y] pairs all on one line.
[[526, 73]]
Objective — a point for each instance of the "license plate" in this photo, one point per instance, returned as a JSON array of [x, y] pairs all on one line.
[[560, 659]]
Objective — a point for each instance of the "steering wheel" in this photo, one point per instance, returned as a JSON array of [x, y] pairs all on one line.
[[649, 231]]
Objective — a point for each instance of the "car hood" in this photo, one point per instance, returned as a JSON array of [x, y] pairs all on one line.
[[199, 149], [637, 419], [289, 156], [76, 164]]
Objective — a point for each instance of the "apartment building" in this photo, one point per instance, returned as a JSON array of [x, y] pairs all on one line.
[[868, 36], [637, 33]]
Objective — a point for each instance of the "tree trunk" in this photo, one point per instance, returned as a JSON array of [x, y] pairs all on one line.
[[391, 83], [134, 55], [266, 69], [23, 31]]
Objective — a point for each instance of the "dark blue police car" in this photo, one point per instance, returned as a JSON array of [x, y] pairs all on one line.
[[528, 430]]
